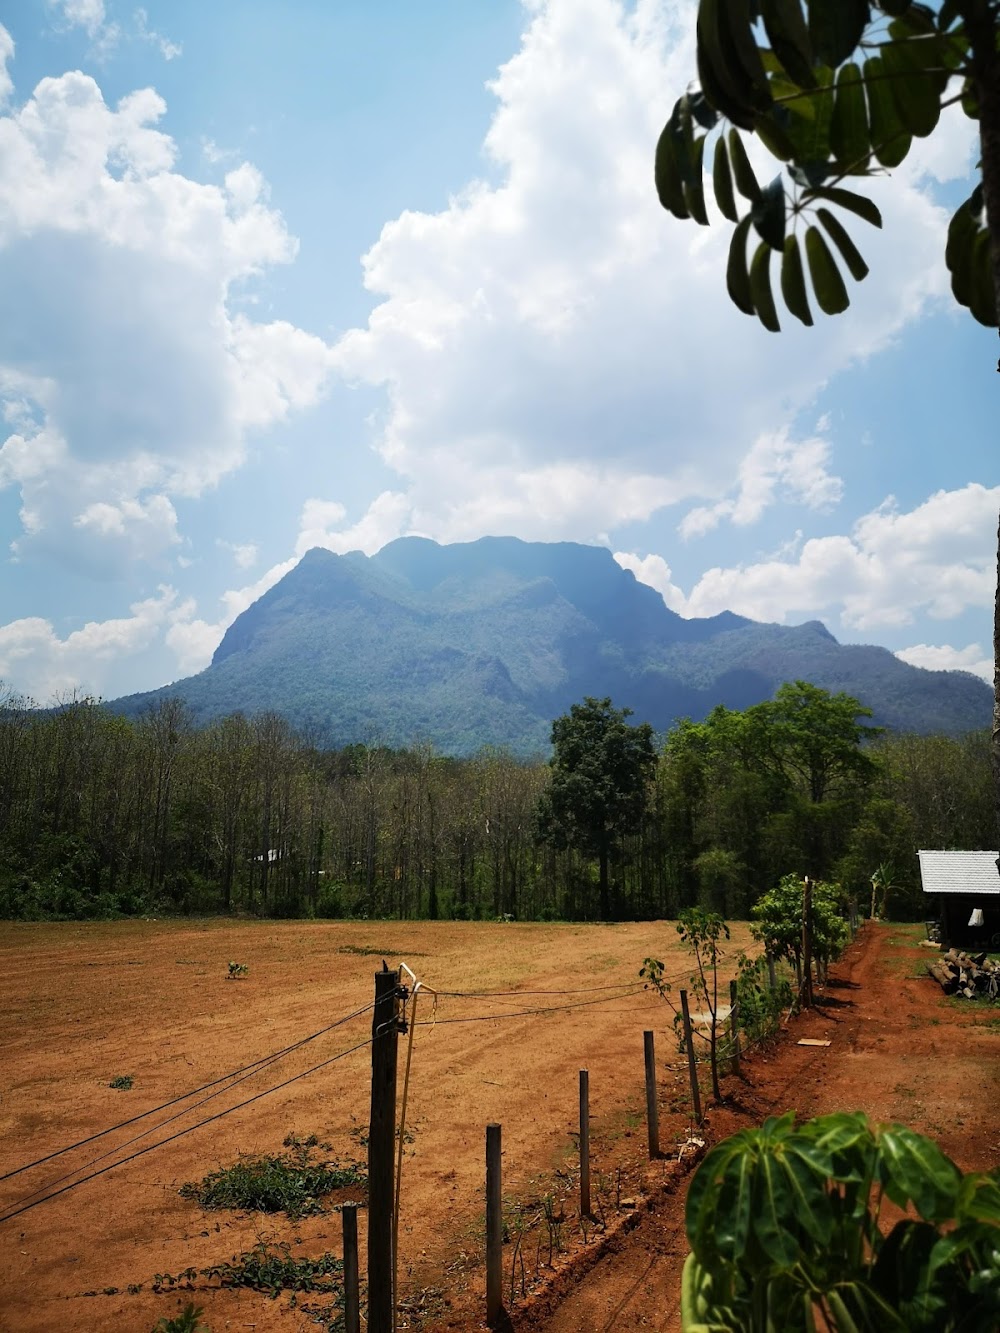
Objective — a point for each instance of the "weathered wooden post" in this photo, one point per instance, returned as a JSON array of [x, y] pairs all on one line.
[[734, 1025], [772, 980], [584, 1143], [494, 1228], [692, 1062], [352, 1304], [381, 1153], [652, 1111]]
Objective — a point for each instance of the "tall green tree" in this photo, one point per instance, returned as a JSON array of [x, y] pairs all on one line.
[[835, 90], [601, 771]]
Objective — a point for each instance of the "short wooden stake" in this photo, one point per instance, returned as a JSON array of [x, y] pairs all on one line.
[[352, 1304], [584, 1143], [652, 1111], [494, 1229], [692, 1062], [734, 1025]]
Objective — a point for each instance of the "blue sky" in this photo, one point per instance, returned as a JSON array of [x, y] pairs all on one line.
[[275, 276]]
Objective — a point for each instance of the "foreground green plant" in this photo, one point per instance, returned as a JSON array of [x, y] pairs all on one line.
[[783, 1224], [188, 1321], [293, 1182]]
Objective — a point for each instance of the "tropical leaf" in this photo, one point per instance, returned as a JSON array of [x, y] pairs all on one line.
[[914, 1168], [849, 252], [836, 28], [768, 214], [828, 285], [850, 138], [793, 282], [722, 181], [789, 37], [855, 203], [746, 181], [890, 137], [914, 91]]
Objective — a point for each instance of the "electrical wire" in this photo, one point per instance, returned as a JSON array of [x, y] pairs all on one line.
[[16, 1212], [254, 1067], [522, 1013], [516, 994]]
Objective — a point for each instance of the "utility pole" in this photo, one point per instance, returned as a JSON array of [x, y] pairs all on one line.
[[381, 1152]]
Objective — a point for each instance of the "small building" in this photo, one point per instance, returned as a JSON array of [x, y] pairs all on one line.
[[967, 887]]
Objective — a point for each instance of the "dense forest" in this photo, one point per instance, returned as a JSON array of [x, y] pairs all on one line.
[[101, 815]]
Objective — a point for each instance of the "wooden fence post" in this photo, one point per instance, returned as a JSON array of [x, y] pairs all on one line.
[[692, 1062], [584, 1143], [771, 978], [381, 1154], [652, 1111], [352, 1304], [734, 1024], [494, 1228]]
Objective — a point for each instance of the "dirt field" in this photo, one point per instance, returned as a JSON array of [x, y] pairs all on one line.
[[85, 1004]]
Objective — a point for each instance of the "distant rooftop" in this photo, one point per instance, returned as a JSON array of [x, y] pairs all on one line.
[[959, 872]]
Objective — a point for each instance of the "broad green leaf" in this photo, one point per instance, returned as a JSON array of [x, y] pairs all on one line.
[[828, 285], [835, 27], [772, 1211], [772, 131], [694, 187], [786, 30], [722, 181], [666, 173], [768, 214], [914, 1167], [856, 265], [914, 92], [811, 134], [890, 138], [724, 81], [849, 134], [979, 1198], [793, 282], [703, 112], [855, 203], [734, 1206], [746, 181], [738, 41]]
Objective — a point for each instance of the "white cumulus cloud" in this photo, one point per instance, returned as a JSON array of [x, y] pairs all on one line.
[[559, 355], [942, 657], [127, 376]]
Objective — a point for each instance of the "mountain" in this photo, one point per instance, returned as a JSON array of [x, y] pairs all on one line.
[[486, 642]]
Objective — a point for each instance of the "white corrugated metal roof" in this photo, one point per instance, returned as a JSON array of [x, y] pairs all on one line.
[[959, 872]]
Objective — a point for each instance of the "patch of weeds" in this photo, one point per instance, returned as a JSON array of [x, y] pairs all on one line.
[[238, 971], [267, 1268], [292, 1182], [370, 951], [185, 1322], [121, 1083]]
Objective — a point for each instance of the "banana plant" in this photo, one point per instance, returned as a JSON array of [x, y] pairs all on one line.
[[835, 90], [784, 1227]]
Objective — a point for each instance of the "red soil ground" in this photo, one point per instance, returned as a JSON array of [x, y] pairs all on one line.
[[83, 1004]]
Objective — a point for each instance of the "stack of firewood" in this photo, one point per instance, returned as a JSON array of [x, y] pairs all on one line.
[[974, 976]]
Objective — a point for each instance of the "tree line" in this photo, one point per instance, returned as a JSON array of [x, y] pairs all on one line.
[[102, 815]]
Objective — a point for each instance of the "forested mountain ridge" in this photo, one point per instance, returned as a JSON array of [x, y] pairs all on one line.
[[485, 642]]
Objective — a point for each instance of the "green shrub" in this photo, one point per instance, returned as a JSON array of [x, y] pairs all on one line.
[[292, 1182]]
